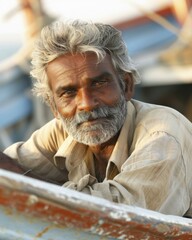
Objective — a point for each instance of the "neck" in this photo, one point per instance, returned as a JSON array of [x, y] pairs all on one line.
[[103, 151], [102, 154]]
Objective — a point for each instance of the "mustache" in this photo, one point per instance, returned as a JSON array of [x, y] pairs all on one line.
[[100, 112]]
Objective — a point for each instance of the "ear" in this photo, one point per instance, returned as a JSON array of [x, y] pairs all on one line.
[[129, 86]]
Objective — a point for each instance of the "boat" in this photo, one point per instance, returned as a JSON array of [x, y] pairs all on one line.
[[31, 209]]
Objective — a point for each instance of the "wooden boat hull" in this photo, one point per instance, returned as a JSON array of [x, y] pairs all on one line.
[[32, 209]]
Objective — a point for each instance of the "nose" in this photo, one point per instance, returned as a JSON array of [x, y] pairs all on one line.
[[86, 100]]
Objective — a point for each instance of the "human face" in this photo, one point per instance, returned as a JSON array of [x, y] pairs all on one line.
[[87, 96]]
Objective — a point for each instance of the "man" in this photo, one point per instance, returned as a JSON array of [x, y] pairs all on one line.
[[102, 142]]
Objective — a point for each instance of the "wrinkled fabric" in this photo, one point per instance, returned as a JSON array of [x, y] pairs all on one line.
[[150, 166]]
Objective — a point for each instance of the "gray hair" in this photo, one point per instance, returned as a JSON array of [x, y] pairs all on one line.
[[61, 38]]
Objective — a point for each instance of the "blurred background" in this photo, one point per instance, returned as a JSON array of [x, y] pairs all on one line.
[[158, 35]]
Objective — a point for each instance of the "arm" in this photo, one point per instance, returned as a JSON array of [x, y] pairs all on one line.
[[35, 157], [9, 164]]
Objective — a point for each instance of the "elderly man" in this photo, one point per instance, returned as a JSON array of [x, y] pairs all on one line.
[[102, 142]]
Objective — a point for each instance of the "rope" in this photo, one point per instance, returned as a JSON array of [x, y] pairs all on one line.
[[156, 18]]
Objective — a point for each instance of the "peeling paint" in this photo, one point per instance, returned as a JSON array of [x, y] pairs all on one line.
[[32, 200], [45, 230], [120, 215], [162, 228]]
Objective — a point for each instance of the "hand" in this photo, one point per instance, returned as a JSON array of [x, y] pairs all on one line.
[[8, 163]]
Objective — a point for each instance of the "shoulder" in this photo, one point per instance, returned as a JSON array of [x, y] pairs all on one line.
[[52, 134], [156, 118]]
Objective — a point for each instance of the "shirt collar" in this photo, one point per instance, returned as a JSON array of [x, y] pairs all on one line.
[[121, 150], [72, 152]]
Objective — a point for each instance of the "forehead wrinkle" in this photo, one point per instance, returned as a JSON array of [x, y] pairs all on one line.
[[75, 69], [81, 72]]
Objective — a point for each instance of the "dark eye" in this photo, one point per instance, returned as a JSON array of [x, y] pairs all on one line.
[[68, 93], [100, 82]]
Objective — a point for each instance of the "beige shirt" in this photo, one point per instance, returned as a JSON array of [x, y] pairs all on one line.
[[150, 166]]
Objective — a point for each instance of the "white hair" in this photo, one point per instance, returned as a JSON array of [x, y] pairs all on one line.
[[77, 36]]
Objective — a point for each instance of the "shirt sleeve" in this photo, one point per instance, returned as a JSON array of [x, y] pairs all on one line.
[[36, 154], [153, 177]]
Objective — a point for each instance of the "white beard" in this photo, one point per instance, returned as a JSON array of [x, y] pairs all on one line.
[[113, 119]]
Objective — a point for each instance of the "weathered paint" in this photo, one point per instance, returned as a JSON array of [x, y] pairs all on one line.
[[32, 209]]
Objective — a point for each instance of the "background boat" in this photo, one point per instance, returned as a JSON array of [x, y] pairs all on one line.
[[150, 30]]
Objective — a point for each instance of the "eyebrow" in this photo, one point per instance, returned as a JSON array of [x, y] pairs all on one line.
[[104, 74]]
